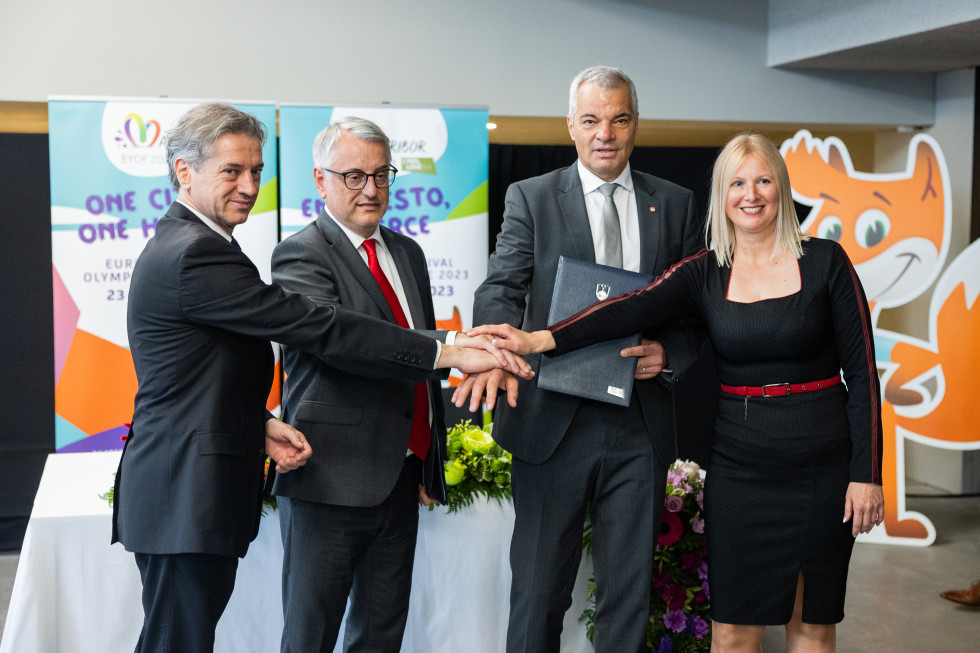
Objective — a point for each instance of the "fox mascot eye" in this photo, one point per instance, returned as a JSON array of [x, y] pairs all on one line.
[[830, 228], [872, 228]]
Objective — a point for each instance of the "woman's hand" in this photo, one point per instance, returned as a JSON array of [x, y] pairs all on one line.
[[520, 342], [864, 505]]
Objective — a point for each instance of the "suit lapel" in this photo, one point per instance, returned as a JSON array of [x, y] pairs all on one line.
[[649, 214], [574, 219], [341, 247]]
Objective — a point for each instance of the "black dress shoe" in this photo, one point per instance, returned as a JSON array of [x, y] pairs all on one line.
[[966, 597]]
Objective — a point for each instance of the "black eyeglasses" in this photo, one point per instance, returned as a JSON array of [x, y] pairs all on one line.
[[356, 180]]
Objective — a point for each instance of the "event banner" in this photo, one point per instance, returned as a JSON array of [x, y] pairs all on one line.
[[109, 187], [439, 197]]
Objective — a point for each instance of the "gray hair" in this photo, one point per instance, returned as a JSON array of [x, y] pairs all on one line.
[[606, 78], [720, 236], [192, 138], [364, 130]]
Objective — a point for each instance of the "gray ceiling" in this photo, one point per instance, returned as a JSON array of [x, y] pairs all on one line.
[[949, 48]]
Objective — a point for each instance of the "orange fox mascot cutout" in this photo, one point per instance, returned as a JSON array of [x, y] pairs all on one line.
[[895, 228]]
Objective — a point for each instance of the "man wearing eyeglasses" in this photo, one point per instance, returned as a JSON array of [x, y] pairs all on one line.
[[349, 518]]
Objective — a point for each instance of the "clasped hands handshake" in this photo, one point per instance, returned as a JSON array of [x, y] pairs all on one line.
[[512, 342], [472, 352]]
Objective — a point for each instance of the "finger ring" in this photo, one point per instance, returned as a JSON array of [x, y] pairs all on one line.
[[643, 369]]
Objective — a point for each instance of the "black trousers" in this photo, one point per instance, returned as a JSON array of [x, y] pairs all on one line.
[[605, 465], [331, 552], [184, 595]]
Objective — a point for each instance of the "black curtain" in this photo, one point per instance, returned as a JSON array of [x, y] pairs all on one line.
[[26, 338], [689, 167]]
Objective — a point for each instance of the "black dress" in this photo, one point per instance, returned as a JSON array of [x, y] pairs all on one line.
[[780, 466]]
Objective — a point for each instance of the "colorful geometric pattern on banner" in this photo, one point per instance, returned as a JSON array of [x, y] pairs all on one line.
[[439, 197], [109, 187]]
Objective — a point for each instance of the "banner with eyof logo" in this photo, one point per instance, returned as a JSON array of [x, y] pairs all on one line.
[[109, 187]]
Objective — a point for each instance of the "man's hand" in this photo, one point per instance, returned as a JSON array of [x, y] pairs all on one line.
[[650, 358], [864, 505], [287, 446], [511, 339], [505, 359], [470, 360], [489, 383], [425, 499]]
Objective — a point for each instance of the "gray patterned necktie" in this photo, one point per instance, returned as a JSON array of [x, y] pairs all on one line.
[[613, 251]]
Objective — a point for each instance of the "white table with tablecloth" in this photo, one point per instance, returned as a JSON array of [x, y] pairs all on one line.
[[74, 593]]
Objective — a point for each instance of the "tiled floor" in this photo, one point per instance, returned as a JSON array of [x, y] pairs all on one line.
[[893, 601]]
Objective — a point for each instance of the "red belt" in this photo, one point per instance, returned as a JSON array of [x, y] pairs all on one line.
[[779, 389]]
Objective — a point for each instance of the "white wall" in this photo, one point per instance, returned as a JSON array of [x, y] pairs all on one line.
[[954, 131], [691, 60]]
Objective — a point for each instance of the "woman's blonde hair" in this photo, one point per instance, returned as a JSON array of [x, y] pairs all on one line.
[[720, 236]]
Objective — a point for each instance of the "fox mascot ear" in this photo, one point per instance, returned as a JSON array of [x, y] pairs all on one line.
[[816, 166], [836, 158], [926, 170]]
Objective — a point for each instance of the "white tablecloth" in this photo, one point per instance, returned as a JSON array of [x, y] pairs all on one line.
[[74, 593]]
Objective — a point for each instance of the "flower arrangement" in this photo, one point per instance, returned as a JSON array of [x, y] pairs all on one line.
[[679, 621], [476, 465]]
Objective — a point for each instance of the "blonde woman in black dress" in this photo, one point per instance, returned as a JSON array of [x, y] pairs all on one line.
[[795, 471]]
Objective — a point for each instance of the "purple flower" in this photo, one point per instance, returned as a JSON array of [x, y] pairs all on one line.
[[707, 594], [697, 525], [700, 627], [703, 570], [675, 503], [675, 620], [665, 646], [701, 499], [675, 478]]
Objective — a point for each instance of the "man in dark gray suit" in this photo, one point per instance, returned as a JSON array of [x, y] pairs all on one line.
[[349, 518], [573, 455], [188, 490]]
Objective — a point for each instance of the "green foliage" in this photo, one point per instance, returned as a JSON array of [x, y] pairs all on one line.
[[477, 465]]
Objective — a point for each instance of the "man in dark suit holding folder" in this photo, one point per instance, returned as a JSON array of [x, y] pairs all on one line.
[[572, 455], [188, 492]]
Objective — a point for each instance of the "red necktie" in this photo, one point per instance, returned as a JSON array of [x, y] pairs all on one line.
[[421, 433]]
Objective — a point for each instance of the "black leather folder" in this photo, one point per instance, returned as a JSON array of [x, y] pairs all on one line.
[[598, 371]]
